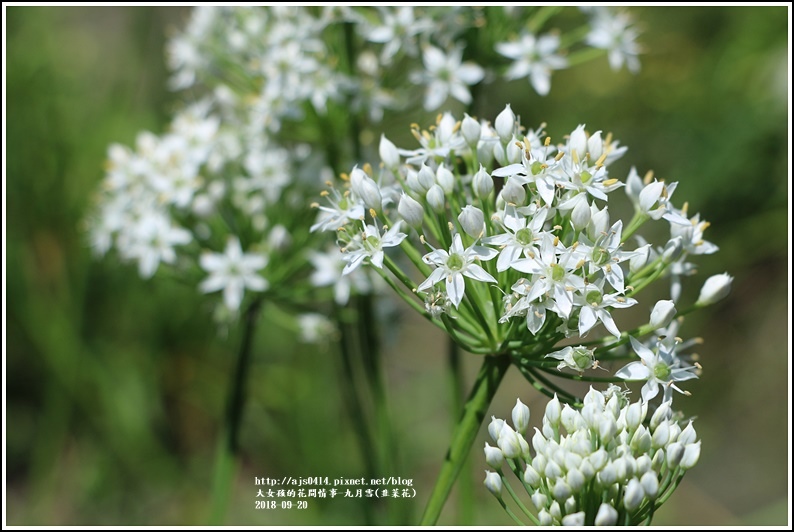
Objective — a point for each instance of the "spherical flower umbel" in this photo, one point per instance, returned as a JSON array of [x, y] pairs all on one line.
[[571, 465]]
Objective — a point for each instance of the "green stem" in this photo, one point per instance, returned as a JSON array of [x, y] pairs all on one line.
[[228, 444], [466, 491], [491, 373]]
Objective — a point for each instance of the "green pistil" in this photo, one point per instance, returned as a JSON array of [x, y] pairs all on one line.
[[455, 262], [524, 237]]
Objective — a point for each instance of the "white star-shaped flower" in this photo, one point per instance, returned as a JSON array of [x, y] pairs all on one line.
[[454, 265], [233, 271]]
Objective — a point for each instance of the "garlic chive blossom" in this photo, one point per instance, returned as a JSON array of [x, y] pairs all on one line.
[[233, 271], [456, 263]]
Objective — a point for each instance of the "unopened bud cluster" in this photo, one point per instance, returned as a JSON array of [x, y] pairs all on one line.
[[603, 464]]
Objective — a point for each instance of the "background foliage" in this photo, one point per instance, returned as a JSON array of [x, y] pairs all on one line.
[[115, 386]]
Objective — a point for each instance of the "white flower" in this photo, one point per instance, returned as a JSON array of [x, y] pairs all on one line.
[[577, 358], [454, 265], [660, 367], [445, 74], [613, 32], [370, 245], [153, 242], [233, 271], [535, 58], [521, 237], [328, 272]]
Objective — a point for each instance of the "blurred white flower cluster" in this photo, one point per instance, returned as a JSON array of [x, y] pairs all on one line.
[[603, 465]]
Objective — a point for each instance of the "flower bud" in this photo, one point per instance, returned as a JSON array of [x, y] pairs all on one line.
[[649, 195], [470, 129], [634, 186], [606, 516], [552, 470], [366, 188], [520, 416], [505, 123], [575, 479], [495, 427], [635, 413], [561, 490], [633, 495], [576, 519], [499, 154], [662, 313], [425, 178], [640, 258], [436, 199], [714, 289], [472, 221], [539, 499], [578, 142], [514, 193], [544, 517], [587, 469], [599, 459], [493, 456], [539, 442], [599, 223], [554, 510], [691, 455], [650, 484], [644, 464], [675, 452], [279, 238], [553, 411], [482, 183], [485, 152], [508, 443], [595, 146], [570, 506], [658, 459], [673, 249], [445, 179], [663, 413], [641, 441], [607, 428], [608, 475], [661, 436], [580, 215], [513, 151], [569, 418], [493, 483], [411, 211], [531, 477], [688, 435], [388, 153]]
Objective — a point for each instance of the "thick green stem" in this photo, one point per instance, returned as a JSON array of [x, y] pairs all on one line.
[[491, 373], [228, 444]]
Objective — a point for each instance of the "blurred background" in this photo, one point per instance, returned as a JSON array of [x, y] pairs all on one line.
[[116, 386]]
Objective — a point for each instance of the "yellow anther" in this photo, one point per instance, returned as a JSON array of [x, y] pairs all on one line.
[[367, 168], [559, 156], [456, 127], [600, 161], [580, 264], [648, 177], [344, 176], [314, 205], [450, 226], [324, 193], [610, 182], [373, 213], [556, 240], [329, 184], [547, 141]]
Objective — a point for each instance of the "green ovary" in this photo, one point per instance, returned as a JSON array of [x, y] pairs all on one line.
[[455, 262]]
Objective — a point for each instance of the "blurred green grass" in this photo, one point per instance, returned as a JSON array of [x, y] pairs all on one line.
[[115, 386]]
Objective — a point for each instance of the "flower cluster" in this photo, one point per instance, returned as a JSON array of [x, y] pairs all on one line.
[[516, 243], [288, 56], [605, 464]]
